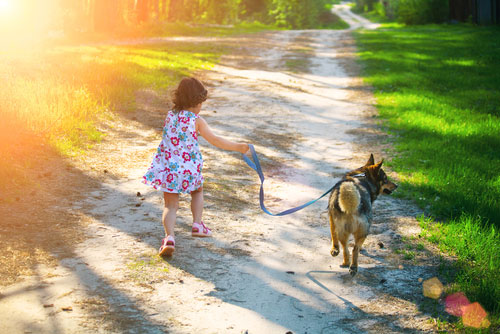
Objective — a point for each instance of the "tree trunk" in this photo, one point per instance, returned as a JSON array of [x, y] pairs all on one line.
[[156, 5], [173, 10], [163, 7], [105, 16], [142, 9]]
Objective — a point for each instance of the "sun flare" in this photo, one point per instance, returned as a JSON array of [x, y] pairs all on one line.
[[5, 6]]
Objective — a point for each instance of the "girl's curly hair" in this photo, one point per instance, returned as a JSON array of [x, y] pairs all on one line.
[[189, 93]]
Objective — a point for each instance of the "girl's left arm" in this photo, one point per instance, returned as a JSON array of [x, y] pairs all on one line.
[[218, 141]]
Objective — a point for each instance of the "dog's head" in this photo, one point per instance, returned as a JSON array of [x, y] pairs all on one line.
[[376, 175]]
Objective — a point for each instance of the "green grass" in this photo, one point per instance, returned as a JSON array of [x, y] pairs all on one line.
[[166, 29], [477, 248], [336, 23], [438, 93]]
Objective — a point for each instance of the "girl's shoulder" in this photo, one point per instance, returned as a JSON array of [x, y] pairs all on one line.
[[189, 114]]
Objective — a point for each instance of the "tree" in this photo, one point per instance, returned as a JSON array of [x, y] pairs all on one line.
[[106, 14], [174, 7], [142, 9]]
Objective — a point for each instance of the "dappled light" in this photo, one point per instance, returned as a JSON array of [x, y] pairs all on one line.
[[316, 89]]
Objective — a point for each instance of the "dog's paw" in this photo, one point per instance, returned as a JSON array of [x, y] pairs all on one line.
[[353, 270], [334, 252], [344, 265]]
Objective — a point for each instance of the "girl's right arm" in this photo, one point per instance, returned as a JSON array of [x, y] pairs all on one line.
[[218, 141]]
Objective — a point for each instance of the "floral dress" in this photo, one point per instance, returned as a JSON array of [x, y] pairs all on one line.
[[177, 164]]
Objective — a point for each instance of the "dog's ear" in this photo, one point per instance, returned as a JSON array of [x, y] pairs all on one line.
[[370, 161], [377, 167], [374, 169]]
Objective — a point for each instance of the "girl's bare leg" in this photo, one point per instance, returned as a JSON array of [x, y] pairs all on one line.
[[170, 212], [197, 204]]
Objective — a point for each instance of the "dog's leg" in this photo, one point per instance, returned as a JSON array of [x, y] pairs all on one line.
[[335, 241], [343, 241], [358, 242]]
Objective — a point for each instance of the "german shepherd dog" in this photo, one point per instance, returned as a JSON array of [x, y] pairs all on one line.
[[350, 208]]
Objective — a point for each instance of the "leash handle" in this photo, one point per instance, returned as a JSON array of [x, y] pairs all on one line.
[[255, 165]]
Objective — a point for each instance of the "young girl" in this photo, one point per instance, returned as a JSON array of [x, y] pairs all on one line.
[[177, 165]]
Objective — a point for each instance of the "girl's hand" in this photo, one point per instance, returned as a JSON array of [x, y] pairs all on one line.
[[245, 149]]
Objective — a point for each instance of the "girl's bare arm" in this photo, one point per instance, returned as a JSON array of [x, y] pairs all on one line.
[[218, 141]]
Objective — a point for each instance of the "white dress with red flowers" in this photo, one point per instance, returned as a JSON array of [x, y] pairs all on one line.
[[177, 164]]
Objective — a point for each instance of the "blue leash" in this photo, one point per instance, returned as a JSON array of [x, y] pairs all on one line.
[[255, 165]]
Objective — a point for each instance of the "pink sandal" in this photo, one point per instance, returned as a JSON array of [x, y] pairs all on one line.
[[200, 230], [167, 247]]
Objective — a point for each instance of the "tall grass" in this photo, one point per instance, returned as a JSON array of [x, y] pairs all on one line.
[[437, 89], [56, 96]]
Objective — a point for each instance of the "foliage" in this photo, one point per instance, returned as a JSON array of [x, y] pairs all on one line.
[[296, 13], [365, 5], [437, 89], [405, 11], [422, 11], [110, 16]]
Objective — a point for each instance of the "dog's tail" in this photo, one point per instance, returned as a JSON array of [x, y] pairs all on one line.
[[349, 197]]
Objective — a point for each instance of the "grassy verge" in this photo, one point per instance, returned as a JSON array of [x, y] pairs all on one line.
[[55, 96], [437, 88], [335, 23], [166, 29], [374, 16]]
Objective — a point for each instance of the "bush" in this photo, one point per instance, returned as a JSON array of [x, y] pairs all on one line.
[[362, 6], [422, 11], [390, 8]]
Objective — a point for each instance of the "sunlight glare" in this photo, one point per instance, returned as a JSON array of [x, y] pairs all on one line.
[[5, 6]]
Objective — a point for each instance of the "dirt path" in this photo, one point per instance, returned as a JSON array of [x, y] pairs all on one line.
[[294, 95]]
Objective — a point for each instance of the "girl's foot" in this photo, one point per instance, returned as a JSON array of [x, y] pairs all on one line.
[[167, 247], [200, 230]]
